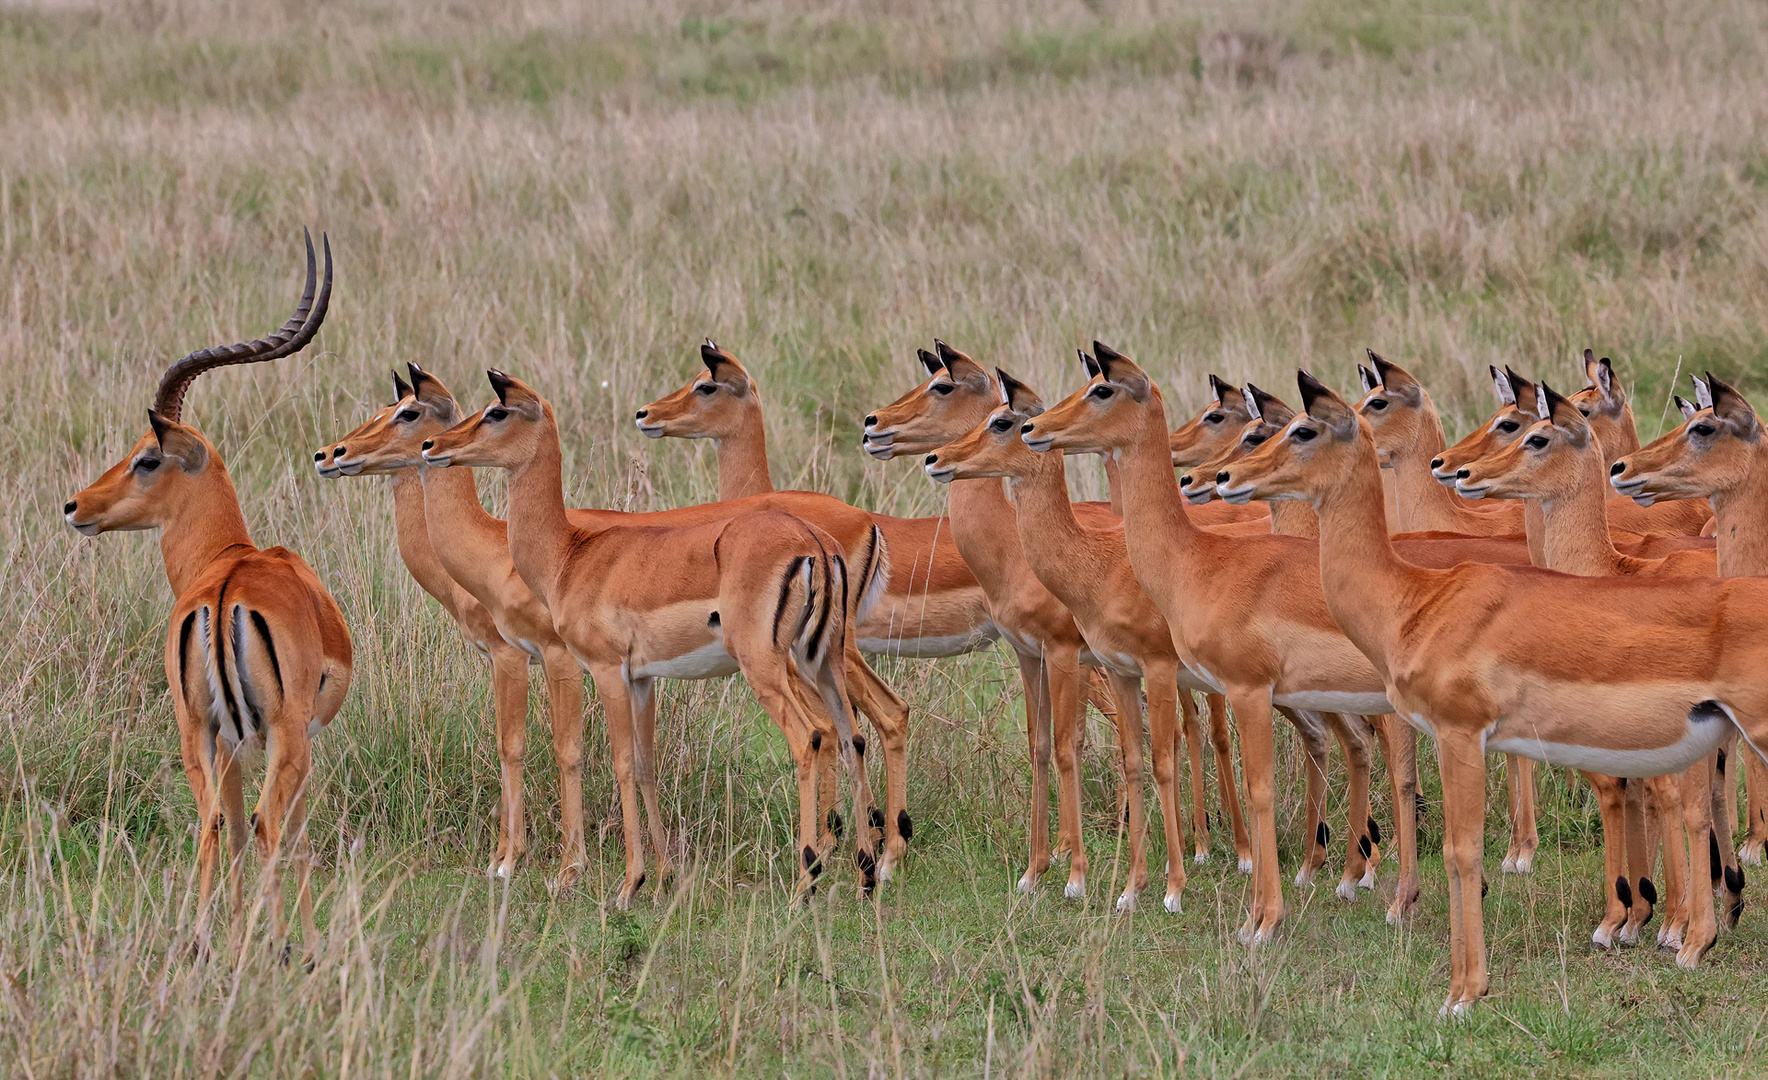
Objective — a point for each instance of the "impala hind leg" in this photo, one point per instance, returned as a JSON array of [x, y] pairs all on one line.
[[564, 688], [1462, 764], [289, 762], [1360, 854], [1697, 817], [889, 715], [1610, 801], [641, 693], [610, 683], [1127, 689], [1034, 679], [1728, 879], [1665, 793], [1193, 736], [1311, 728], [1399, 745], [1221, 740], [1161, 681], [1639, 823], [832, 686], [1755, 781], [509, 703], [1519, 773], [1062, 675], [1252, 709]]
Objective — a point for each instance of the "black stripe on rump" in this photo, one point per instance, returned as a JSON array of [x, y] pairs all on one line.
[[183, 650], [219, 634], [865, 577], [785, 594], [813, 646], [239, 669], [263, 629]]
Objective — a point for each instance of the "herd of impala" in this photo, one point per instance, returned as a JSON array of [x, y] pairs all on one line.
[[1489, 594]]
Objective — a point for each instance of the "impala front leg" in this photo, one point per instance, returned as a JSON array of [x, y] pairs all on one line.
[[1463, 768], [1665, 793], [564, 685], [641, 693], [1520, 775], [509, 703], [1034, 678], [1252, 708], [1062, 675], [1311, 727], [610, 683], [1639, 825], [1360, 853], [1193, 736], [1697, 816], [1610, 801], [1128, 692], [1221, 740], [1399, 745], [1161, 681]]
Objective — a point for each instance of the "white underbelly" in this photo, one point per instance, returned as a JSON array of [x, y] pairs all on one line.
[[709, 661], [1701, 739], [1333, 701], [928, 647]]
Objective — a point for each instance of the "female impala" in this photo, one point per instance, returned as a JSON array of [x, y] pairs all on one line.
[[257, 653], [1716, 455], [463, 561], [634, 603], [1658, 673]]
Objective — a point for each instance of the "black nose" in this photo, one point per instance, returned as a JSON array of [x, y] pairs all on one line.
[[1436, 462], [69, 507], [429, 444], [1025, 428], [1461, 474], [872, 420], [1185, 480], [319, 455], [1616, 469], [1222, 477], [932, 459], [337, 451], [642, 413]]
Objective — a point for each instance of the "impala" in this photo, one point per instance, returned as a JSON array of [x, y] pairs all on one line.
[[757, 593], [1716, 455], [957, 396], [257, 653], [1477, 655]]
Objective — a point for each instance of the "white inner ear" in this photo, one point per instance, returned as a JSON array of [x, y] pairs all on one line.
[[1006, 396], [1687, 408], [1252, 404], [1368, 378], [1542, 409], [1501, 383], [1703, 394]]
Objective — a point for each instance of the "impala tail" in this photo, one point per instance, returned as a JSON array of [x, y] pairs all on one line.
[[874, 575]]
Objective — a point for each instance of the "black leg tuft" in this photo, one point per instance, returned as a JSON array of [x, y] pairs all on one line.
[[1624, 891], [904, 825], [816, 741], [868, 869], [859, 745], [1648, 891], [1374, 831], [1714, 859], [876, 817], [836, 825], [1322, 834], [1364, 845]]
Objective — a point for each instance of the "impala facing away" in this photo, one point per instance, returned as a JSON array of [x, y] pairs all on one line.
[[257, 653], [1658, 671], [757, 592]]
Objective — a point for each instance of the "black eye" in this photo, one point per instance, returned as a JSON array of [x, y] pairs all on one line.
[[1703, 430], [1214, 418], [1304, 434], [1001, 423], [1378, 404], [407, 416], [1508, 426], [1253, 440], [497, 413], [942, 388], [1102, 392], [1535, 442], [147, 464], [706, 388]]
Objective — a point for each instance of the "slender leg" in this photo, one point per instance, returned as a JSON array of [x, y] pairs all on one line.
[[509, 702], [1311, 727], [1755, 779], [1359, 845], [301, 859], [1666, 798], [1230, 791], [289, 761], [1193, 735], [890, 719], [1162, 682], [1463, 768], [1636, 817], [1728, 877], [831, 685], [1068, 713], [564, 688], [1127, 689], [1033, 678], [1610, 800], [617, 711], [1252, 708], [196, 747], [1520, 774], [1697, 815], [642, 698], [233, 809], [1096, 690], [1399, 745], [825, 752]]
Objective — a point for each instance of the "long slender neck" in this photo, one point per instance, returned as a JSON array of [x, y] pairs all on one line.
[[1363, 578], [1421, 501], [1048, 529], [742, 457], [1740, 516], [1114, 485], [1619, 435], [1574, 533], [411, 528], [1155, 525], [207, 522], [538, 528], [459, 528], [983, 521], [1292, 518]]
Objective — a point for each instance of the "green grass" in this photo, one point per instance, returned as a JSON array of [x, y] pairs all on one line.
[[578, 194]]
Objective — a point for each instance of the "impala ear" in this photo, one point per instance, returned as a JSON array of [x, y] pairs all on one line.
[[400, 390], [723, 367], [1703, 394], [1017, 396], [1219, 388], [1732, 407], [1562, 414], [1117, 368], [1395, 379], [1092, 365], [500, 385], [1522, 391], [1323, 404], [962, 368], [929, 361], [1501, 384], [1685, 407], [1268, 407], [1366, 379], [1253, 410], [1606, 383], [179, 442], [429, 390]]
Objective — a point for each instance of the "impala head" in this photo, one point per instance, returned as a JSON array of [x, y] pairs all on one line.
[[1270, 415], [956, 397], [1309, 458], [715, 405], [1394, 403], [504, 434], [1112, 411], [173, 463], [393, 438], [1516, 414], [1605, 403], [1712, 453], [994, 448], [1213, 431], [1551, 459]]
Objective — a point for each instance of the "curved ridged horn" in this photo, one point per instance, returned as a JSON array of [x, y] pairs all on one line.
[[292, 338]]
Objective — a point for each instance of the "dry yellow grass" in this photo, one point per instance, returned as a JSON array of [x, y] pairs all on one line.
[[577, 194]]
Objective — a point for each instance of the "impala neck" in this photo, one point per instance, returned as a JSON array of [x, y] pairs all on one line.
[[538, 528], [411, 527], [1619, 436], [1048, 529], [983, 525], [1292, 518], [1574, 527], [742, 458], [206, 522], [1740, 516], [1361, 575], [1421, 501], [1114, 485], [1155, 524], [459, 528]]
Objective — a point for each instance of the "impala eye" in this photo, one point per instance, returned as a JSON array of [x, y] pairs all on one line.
[[497, 413], [1253, 440], [1508, 426], [1304, 434], [407, 416], [146, 464], [1378, 404], [942, 388], [1214, 418], [1001, 423], [1535, 442], [706, 388], [1102, 392], [1703, 430]]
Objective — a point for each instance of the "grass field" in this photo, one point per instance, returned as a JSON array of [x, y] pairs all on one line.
[[578, 194]]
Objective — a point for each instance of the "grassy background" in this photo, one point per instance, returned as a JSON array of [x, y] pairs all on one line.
[[578, 193]]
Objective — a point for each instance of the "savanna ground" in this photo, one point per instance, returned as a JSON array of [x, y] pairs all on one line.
[[577, 194]]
